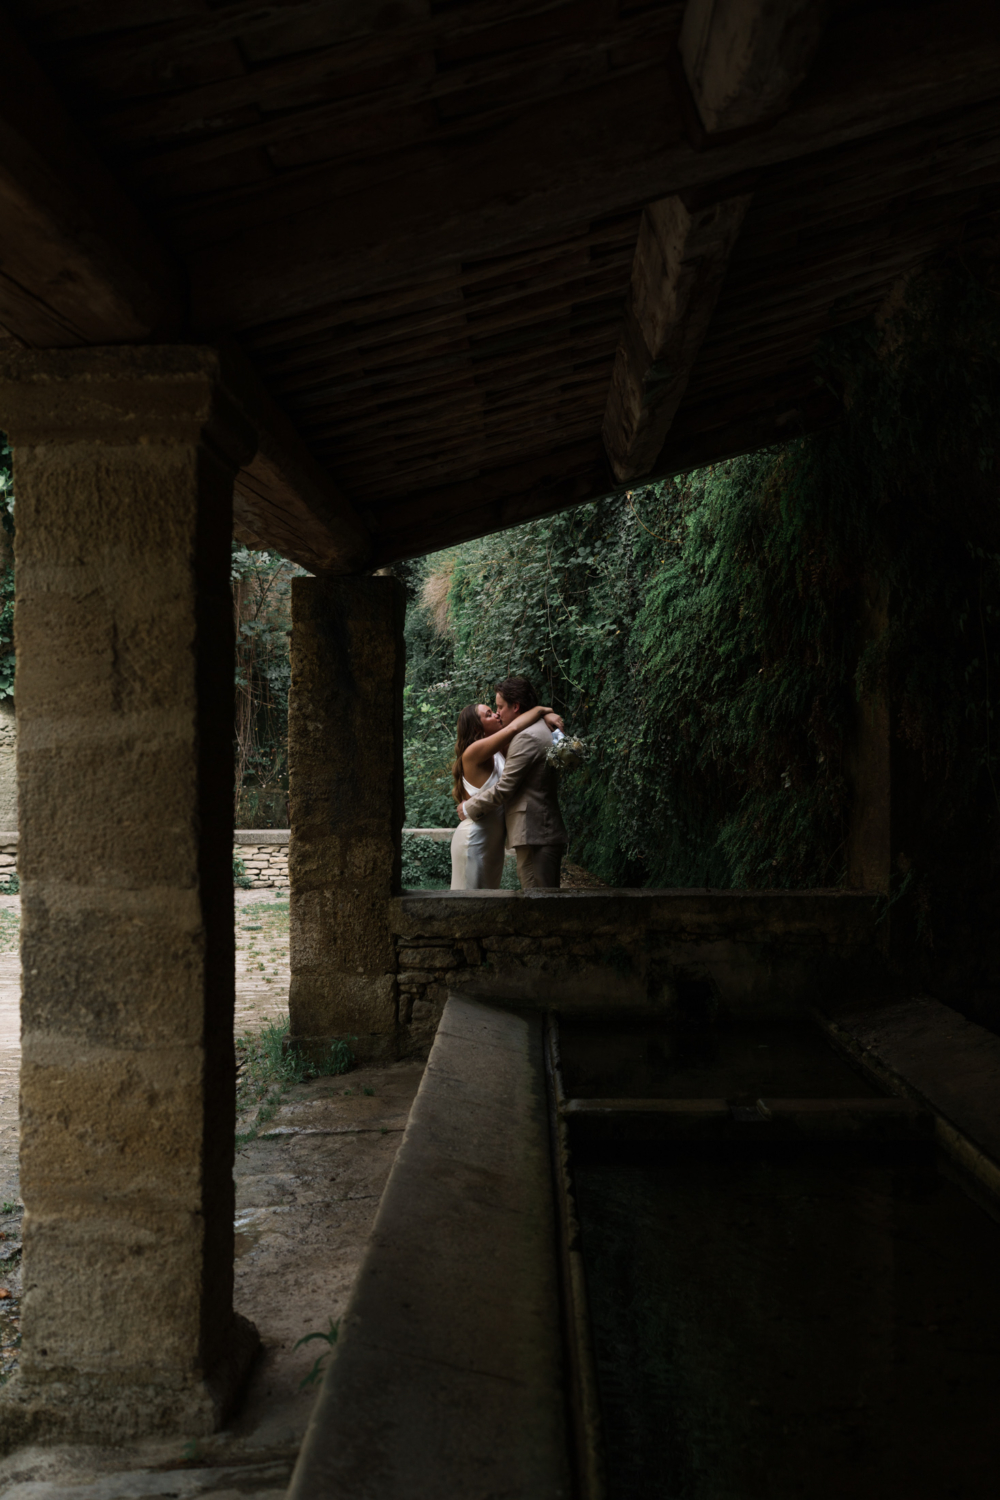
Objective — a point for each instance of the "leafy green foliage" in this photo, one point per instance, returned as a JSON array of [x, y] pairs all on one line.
[[328, 1337], [714, 638], [426, 864], [262, 584], [266, 1068]]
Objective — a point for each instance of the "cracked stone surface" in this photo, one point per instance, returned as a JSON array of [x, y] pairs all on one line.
[[306, 1195]]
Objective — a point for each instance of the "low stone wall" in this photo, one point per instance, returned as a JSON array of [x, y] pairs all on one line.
[[8, 765], [8, 856], [264, 852], [753, 953]]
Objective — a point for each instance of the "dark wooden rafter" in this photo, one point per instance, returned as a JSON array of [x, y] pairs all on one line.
[[743, 59], [284, 499], [680, 260]]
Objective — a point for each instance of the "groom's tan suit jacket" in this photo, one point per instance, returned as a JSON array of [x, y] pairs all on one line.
[[526, 791]]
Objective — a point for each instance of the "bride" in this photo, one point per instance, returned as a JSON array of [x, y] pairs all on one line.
[[477, 849]]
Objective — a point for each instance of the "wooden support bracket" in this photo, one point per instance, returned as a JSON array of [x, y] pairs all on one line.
[[743, 59], [680, 261]]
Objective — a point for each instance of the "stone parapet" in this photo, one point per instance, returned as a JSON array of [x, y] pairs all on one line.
[[264, 852], [748, 953]]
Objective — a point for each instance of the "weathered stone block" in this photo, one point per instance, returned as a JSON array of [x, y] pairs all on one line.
[[510, 944], [431, 958]]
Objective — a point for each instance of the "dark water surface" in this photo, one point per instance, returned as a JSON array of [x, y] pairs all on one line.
[[807, 1320]]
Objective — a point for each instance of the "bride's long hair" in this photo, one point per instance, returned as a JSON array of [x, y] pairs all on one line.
[[470, 729]]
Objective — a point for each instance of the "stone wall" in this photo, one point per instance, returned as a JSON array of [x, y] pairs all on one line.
[[264, 852], [8, 856], [752, 953]]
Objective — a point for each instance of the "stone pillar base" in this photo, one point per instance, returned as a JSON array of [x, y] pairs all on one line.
[[97, 1408]]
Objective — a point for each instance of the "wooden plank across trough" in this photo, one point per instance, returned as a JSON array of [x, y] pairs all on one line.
[[762, 1121]]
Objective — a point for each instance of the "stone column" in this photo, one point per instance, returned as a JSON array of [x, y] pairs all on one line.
[[345, 728], [124, 461]]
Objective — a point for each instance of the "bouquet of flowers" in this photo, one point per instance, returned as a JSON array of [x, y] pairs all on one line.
[[565, 754]]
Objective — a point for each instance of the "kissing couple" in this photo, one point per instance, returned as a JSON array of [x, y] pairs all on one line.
[[506, 791]]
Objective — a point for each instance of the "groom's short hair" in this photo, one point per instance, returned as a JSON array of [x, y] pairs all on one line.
[[517, 690]]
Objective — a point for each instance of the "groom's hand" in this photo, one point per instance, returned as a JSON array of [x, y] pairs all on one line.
[[461, 811]]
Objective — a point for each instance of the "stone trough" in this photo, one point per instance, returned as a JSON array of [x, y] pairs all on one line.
[[624, 1255]]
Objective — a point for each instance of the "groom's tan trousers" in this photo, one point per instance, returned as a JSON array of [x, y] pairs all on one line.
[[538, 864]]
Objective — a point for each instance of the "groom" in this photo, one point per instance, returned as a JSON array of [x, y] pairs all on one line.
[[527, 791]]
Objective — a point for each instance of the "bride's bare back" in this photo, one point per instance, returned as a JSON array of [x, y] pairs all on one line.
[[477, 759]]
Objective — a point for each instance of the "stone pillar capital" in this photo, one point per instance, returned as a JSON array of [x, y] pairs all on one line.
[[114, 397]]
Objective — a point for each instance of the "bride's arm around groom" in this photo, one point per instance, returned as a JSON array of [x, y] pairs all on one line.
[[527, 791]]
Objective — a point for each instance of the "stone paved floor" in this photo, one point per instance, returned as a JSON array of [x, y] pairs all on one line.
[[307, 1192]]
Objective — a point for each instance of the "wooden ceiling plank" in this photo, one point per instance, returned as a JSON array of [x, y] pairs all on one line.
[[418, 366], [446, 415], [417, 457], [536, 172], [388, 344], [274, 87], [409, 297]]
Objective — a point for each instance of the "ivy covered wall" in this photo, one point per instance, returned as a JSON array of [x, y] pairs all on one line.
[[712, 636]]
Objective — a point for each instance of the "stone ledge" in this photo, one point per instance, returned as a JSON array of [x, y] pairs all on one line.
[[749, 953], [923, 1050], [260, 835], [447, 1378], [757, 916]]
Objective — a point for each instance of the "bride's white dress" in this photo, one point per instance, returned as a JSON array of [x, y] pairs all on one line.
[[477, 849]]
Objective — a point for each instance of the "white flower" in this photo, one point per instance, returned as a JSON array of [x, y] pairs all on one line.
[[566, 754]]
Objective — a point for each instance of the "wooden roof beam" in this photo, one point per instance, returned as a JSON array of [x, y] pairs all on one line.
[[284, 499], [77, 263], [743, 59], [680, 261]]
